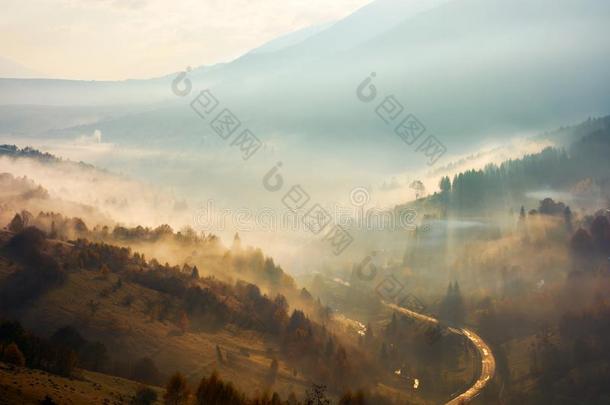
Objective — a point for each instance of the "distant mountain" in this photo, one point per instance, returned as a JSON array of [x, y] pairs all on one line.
[[290, 39], [469, 70], [312, 42], [12, 69], [366, 23]]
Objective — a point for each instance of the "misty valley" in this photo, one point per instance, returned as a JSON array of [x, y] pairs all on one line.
[[362, 202]]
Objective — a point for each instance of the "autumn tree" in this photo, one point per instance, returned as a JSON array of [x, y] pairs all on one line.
[[582, 245], [317, 395], [368, 334], [53, 233], [16, 224], [452, 307], [459, 307], [329, 350], [144, 396], [341, 366], [567, 217], [273, 370], [549, 207], [39, 273], [65, 362], [392, 327], [47, 400], [420, 189], [214, 391], [383, 354], [600, 231], [12, 355], [219, 355], [292, 399], [352, 399], [236, 247], [104, 271], [118, 285], [93, 306], [184, 323], [176, 390], [145, 371]]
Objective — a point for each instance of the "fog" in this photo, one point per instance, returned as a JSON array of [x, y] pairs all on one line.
[[409, 205]]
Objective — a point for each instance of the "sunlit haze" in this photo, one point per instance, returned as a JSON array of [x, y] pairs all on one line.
[[123, 39], [355, 202]]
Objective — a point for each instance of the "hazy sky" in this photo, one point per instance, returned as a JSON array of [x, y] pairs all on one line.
[[118, 39]]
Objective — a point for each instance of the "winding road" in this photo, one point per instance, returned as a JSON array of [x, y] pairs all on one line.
[[488, 362]]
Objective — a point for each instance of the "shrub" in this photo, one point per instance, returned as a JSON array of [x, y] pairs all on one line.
[[26, 242], [16, 225], [41, 271], [12, 355], [65, 362], [47, 401], [144, 396], [176, 391], [145, 371], [128, 300], [68, 336], [213, 391], [94, 356]]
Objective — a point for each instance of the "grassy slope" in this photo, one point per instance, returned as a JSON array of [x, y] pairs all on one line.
[[129, 333], [26, 386]]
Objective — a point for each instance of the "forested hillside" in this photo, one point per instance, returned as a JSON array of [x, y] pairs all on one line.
[[582, 169]]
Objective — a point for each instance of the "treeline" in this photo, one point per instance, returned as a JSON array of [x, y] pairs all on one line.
[[14, 151], [61, 354], [27, 152], [20, 188], [342, 367], [570, 362], [236, 263], [562, 326], [66, 351], [253, 264], [204, 303], [206, 300], [244, 262], [590, 244], [38, 270], [57, 226], [504, 186], [214, 391], [191, 302]]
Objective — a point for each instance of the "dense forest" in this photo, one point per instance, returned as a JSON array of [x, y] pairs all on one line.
[[581, 168]]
